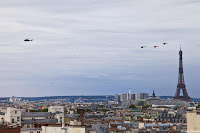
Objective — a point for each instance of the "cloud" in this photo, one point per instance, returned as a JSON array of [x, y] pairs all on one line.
[[114, 77], [96, 44]]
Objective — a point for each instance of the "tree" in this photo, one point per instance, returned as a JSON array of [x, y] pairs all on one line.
[[145, 106], [88, 110], [198, 106], [104, 110], [132, 106], [45, 110]]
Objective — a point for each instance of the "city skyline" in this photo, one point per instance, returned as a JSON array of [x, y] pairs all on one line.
[[94, 47]]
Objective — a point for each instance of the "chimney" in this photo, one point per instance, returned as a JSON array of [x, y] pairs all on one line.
[[63, 117]]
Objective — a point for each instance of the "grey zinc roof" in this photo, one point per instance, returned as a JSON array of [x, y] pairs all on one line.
[[158, 125], [100, 128], [71, 116], [110, 114], [38, 114], [28, 129], [116, 123], [157, 101], [181, 111], [39, 121], [127, 103], [88, 114], [169, 102], [132, 124]]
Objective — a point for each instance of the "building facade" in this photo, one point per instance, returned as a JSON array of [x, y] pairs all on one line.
[[140, 96]]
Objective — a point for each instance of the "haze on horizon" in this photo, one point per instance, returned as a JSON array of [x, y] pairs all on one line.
[[90, 47]]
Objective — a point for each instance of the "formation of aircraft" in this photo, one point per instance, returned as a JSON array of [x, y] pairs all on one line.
[[27, 40], [155, 45]]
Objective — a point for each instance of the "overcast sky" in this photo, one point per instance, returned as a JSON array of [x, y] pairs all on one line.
[[92, 47]]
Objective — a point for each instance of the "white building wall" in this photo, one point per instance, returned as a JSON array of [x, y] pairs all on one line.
[[193, 122], [139, 96], [117, 98], [2, 119], [30, 131], [76, 130], [123, 97], [54, 109], [3, 109], [13, 116], [60, 117], [49, 129]]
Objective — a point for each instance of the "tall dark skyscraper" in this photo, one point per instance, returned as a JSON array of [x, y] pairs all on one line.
[[181, 83]]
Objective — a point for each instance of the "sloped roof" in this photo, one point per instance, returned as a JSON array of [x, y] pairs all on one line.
[[175, 102], [38, 114], [39, 121]]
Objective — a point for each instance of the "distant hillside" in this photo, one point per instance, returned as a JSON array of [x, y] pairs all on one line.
[[171, 97]]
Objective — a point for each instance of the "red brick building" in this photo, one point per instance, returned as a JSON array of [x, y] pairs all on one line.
[[5, 129]]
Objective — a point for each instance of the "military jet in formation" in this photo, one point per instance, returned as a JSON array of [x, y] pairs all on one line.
[[143, 47], [155, 45], [27, 40]]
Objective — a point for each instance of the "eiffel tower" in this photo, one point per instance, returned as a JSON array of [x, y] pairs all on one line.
[[181, 83]]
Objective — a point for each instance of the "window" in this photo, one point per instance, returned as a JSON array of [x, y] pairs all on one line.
[[60, 119], [13, 120], [15, 112], [17, 118], [31, 132], [28, 125], [38, 131]]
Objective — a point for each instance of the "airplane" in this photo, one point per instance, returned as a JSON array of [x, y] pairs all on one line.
[[143, 47], [28, 40], [165, 43], [156, 46]]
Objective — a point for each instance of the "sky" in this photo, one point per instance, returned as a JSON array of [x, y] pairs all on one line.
[[92, 47]]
